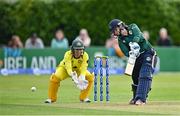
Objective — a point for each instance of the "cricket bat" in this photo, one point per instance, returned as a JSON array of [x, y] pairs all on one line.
[[130, 65]]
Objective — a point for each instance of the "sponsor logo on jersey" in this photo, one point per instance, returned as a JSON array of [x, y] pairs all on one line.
[[130, 32], [80, 61]]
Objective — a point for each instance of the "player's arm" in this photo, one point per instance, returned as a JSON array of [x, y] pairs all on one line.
[[67, 61], [68, 67], [124, 48], [137, 33], [84, 64]]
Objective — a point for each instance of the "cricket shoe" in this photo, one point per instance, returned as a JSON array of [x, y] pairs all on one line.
[[132, 102], [48, 101], [140, 102], [87, 100]]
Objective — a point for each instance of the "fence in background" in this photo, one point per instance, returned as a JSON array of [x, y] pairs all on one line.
[[44, 61]]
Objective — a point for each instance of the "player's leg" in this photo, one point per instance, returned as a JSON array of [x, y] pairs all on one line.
[[53, 88], [135, 76], [85, 93], [145, 78], [54, 83]]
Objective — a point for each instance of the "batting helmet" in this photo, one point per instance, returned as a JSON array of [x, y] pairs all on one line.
[[77, 44], [114, 23]]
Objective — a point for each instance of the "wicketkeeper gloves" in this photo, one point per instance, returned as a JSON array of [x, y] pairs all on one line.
[[80, 81], [74, 77]]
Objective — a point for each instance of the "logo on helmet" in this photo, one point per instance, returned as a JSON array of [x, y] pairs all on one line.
[[78, 44]]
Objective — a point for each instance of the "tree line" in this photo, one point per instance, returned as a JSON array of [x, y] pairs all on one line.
[[26, 16]]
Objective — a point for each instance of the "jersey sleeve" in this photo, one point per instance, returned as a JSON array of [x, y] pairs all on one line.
[[84, 64], [124, 48], [67, 61], [137, 33]]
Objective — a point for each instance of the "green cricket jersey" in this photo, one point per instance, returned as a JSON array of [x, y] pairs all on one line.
[[135, 35]]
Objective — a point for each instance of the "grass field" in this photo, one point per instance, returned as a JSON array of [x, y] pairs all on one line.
[[16, 97]]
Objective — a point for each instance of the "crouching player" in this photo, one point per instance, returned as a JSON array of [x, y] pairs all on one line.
[[73, 65]]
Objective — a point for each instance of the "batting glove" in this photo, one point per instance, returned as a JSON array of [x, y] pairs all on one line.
[[135, 48]]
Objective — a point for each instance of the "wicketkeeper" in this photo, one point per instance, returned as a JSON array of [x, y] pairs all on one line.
[[133, 44], [73, 65]]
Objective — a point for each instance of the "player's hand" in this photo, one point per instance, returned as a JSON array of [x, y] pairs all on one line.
[[82, 85], [135, 48], [82, 82], [74, 77], [82, 78]]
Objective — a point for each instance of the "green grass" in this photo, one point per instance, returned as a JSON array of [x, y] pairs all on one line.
[[16, 97]]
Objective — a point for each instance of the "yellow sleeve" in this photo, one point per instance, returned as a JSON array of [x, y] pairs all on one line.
[[67, 61], [84, 64]]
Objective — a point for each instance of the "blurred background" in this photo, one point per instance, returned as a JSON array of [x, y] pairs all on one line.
[[34, 34]]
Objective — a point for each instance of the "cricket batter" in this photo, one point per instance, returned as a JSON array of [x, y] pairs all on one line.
[[73, 65], [132, 43]]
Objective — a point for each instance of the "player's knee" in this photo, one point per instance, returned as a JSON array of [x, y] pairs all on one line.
[[54, 78], [146, 78], [90, 78]]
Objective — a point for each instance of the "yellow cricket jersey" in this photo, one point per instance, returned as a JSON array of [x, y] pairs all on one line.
[[72, 64]]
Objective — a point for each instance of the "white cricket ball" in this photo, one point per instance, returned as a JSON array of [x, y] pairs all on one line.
[[33, 89]]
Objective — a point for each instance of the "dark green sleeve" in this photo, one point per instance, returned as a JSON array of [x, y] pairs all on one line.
[[124, 48], [137, 33]]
